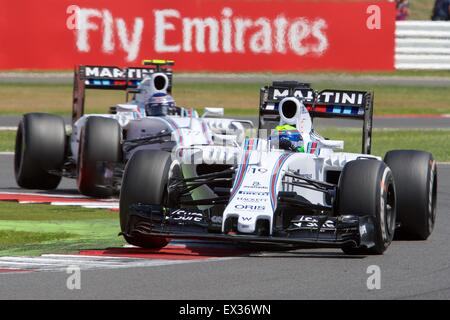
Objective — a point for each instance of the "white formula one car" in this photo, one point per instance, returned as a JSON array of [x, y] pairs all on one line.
[[268, 191], [96, 147]]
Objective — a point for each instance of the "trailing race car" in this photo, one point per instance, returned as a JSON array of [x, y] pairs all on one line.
[[291, 186], [97, 146]]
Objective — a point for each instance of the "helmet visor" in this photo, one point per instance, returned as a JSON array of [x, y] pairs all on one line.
[[158, 109]]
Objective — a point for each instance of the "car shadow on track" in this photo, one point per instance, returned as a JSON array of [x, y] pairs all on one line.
[[170, 252], [195, 252], [289, 251], [204, 249], [306, 255]]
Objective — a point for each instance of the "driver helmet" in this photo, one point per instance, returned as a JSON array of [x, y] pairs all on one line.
[[288, 138], [160, 104]]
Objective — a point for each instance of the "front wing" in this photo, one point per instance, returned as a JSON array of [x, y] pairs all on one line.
[[317, 231]]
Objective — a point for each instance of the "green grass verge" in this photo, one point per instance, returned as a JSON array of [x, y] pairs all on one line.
[[436, 141], [36, 229], [7, 140], [236, 98], [12, 238]]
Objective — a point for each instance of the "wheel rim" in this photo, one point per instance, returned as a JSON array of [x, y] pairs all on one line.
[[18, 159], [80, 159], [390, 210], [432, 200]]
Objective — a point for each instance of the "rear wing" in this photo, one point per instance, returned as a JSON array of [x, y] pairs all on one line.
[[113, 78], [345, 104]]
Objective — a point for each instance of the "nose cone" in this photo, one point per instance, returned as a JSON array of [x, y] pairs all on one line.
[[246, 223]]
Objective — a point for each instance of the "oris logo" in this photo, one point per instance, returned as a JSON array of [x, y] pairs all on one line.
[[249, 207]]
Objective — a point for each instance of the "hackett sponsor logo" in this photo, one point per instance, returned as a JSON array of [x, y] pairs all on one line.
[[255, 200]]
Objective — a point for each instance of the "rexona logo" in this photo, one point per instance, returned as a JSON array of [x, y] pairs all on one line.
[[313, 222], [185, 215], [224, 31]]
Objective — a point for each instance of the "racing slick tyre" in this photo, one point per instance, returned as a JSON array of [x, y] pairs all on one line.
[[40, 147], [366, 188], [415, 177], [144, 181], [99, 142]]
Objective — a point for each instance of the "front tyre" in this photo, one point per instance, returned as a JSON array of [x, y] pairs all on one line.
[[415, 177], [144, 181], [366, 188]]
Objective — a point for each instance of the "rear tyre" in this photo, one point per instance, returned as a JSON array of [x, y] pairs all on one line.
[[144, 181], [40, 147], [366, 187], [99, 141], [415, 177]]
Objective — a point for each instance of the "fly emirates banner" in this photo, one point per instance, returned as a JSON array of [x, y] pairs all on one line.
[[200, 35]]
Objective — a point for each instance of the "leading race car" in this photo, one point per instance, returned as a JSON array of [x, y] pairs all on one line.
[[96, 146], [291, 186]]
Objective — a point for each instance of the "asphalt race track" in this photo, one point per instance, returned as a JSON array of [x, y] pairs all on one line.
[[414, 270]]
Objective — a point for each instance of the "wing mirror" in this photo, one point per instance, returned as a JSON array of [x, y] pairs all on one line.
[[219, 112]]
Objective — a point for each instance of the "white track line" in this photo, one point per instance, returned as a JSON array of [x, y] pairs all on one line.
[[8, 128], [60, 262], [58, 195], [89, 205]]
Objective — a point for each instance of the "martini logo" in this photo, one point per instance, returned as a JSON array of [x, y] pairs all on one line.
[[307, 94], [113, 72], [326, 96]]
